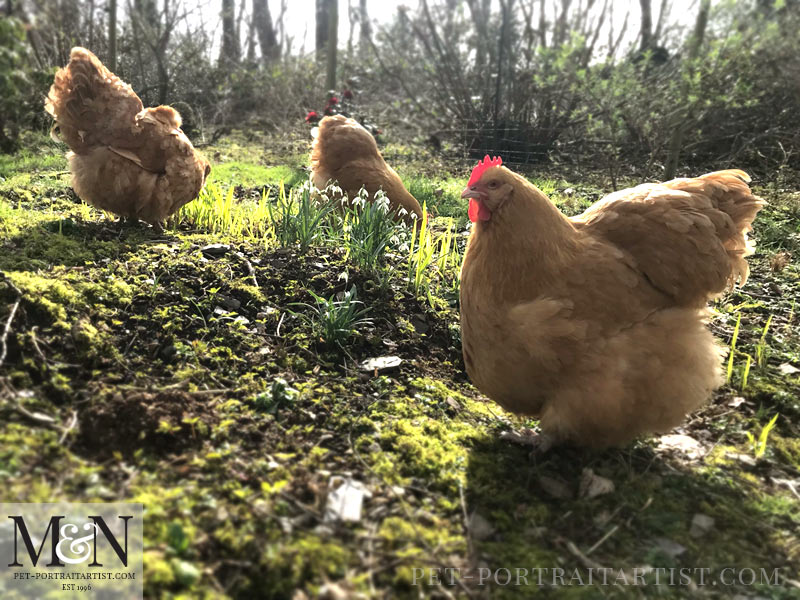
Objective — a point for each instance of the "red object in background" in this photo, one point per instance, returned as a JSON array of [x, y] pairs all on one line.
[[347, 95], [330, 108], [312, 117]]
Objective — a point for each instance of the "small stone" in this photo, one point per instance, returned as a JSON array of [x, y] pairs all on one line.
[[453, 403], [215, 250], [266, 312], [670, 548], [381, 364], [569, 191], [736, 402], [745, 459], [787, 369], [683, 443], [479, 528], [701, 525], [345, 499], [419, 324], [228, 302], [593, 485], [555, 487]]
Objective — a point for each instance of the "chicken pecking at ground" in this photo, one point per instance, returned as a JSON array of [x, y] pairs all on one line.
[[130, 161], [597, 324], [344, 152]]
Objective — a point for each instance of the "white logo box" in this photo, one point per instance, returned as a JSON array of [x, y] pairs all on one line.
[[71, 550]]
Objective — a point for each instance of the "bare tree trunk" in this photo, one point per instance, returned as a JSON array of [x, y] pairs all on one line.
[[365, 34], [112, 35], [323, 27], [267, 39], [251, 41], [352, 18], [646, 32], [560, 29], [505, 8], [663, 13], [333, 39], [160, 51], [91, 25], [479, 10], [542, 25], [683, 118], [138, 21], [229, 53], [238, 28]]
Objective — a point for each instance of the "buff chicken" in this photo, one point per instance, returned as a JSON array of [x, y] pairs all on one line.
[[132, 161], [596, 324], [346, 153]]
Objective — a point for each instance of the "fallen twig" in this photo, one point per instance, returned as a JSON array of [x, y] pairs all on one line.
[[70, 426], [7, 327], [599, 542]]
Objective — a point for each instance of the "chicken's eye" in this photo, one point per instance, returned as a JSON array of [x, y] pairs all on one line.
[[492, 184]]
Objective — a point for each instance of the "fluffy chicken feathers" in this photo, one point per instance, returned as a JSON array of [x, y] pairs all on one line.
[[133, 162], [345, 152], [596, 324], [706, 218]]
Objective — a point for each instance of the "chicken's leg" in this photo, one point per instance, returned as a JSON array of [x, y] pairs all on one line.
[[540, 442]]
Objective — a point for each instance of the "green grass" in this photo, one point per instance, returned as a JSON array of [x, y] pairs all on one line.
[[368, 232], [334, 320], [442, 196], [223, 392], [251, 176]]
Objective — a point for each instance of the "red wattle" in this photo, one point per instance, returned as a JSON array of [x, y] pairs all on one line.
[[478, 211]]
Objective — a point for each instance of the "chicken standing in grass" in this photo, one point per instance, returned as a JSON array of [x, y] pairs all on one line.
[[596, 324], [133, 162], [346, 153]]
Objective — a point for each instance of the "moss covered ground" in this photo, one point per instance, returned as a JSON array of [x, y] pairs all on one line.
[[189, 370]]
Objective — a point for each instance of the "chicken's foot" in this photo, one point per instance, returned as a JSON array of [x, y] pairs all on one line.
[[539, 442]]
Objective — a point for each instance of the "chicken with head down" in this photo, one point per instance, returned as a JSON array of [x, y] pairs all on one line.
[[132, 161]]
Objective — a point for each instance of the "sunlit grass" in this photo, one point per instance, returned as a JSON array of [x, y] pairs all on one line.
[[433, 260], [248, 175], [367, 231], [301, 216], [217, 210], [758, 444]]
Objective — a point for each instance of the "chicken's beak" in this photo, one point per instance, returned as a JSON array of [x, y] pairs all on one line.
[[472, 192], [478, 211]]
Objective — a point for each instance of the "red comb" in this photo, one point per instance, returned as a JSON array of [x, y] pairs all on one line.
[[481, 167]]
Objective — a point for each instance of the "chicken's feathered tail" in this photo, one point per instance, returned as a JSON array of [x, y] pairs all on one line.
[[687, 236], [91, 105], [731, 194]]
